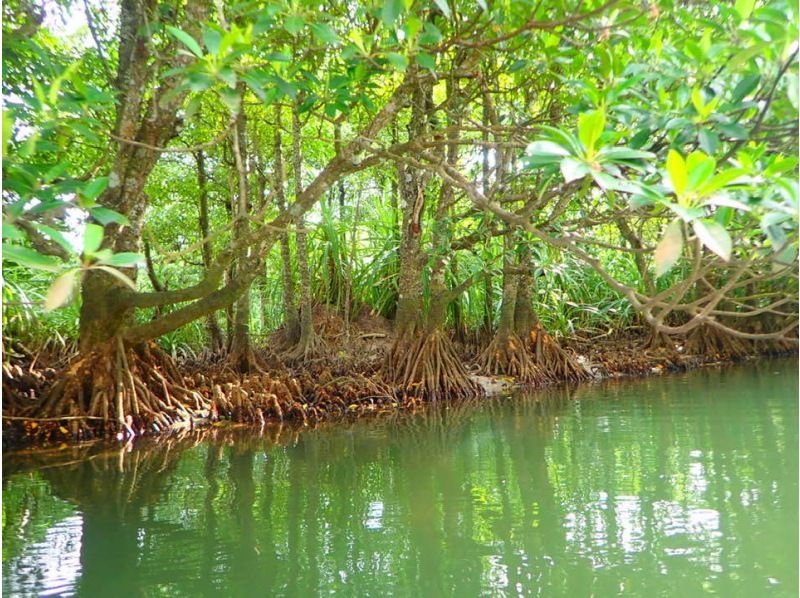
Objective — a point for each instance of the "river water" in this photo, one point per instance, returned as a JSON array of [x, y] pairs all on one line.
[[672, 486]]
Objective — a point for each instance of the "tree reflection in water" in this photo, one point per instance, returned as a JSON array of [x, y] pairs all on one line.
[[669, 486]]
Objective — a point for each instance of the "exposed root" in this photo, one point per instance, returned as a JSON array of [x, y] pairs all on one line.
[[657, 341], [712, 343], [244, 361], [507, 355], [427, 366], [117, 389], [310, 346], [552, 359]]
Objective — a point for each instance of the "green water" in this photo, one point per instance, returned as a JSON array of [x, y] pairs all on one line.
[[673, 486]]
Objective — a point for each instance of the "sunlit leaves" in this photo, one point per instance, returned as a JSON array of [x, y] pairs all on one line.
[[590, 127], [678, 173]]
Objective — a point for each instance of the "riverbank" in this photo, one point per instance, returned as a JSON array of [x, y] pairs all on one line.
[[345, 384]]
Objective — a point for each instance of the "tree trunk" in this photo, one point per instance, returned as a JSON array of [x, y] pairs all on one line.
[[309, 343], [291, 319], [241, 352], [212, 324]]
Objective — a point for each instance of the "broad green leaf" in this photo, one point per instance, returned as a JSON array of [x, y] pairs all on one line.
[[125, 259], [212, 39], [426, 61], [745, 87], [294, 24], [708, 140], [722, 179], [624, 153], [29, 258], [8, 130], [678, 175], [106, 216], [187, 40], [12, 233], [669, 249], [391, 10], [430, 35], [745, 8], [324, 33], [701, 169], [573, 169], [61, 291], [713, 236], [398, 61], [590, 127], [95, 187], [92, 238]]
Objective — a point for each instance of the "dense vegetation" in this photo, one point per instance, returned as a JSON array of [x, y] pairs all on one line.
[[224, 180]]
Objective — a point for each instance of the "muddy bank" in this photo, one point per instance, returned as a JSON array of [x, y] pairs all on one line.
[[347, 383]]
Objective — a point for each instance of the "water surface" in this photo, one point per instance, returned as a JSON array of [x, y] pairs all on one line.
[[674, 486]]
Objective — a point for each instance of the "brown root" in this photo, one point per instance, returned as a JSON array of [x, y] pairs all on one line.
[[310, 346], [117, 389], [426, 365], [712, 343], [552, 359], [658, 341], [507, 355], [244, 361]]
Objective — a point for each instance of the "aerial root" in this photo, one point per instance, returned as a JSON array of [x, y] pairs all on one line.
[[428, 366], [552, 359], [310, 346], [713, 343], [507, 355]]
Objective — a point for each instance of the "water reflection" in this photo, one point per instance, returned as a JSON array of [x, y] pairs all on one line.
[[671, 486]]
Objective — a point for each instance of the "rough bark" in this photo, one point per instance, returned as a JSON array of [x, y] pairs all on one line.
[[291, 319], [212, 324], [309, 344]]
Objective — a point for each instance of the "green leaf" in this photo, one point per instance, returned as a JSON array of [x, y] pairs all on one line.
[[29, 258], [745, 87], [669, 249], [708, 140], [391, 10], [125, 259], [106, 216], [590, 127], [713, 236], [676, 168], [92, 238], [294, 24], [324, 33], [61, 291], [12, 233], [745, 8], [442, 4], [212, 39], [426, 61], [187, 40], [94, 188], [573, 169], [701, 169], [398, 61], [430, 35]]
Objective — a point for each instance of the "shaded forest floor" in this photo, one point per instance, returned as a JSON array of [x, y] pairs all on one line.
[[345, 382]]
